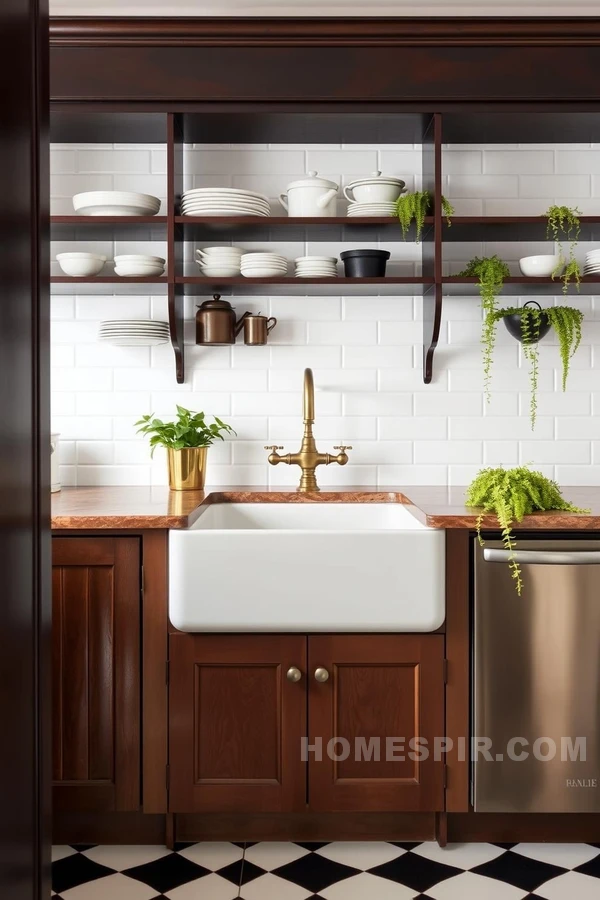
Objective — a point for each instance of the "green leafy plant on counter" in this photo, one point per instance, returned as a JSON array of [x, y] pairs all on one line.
[[566, 322], [190, 429], [491, 272], [414, 206], [512, 494], [564, 225]]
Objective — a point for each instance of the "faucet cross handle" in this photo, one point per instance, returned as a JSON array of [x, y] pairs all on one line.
[[343, 447], [274, 447]]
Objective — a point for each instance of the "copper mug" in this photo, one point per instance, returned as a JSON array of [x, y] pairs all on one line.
[[257, 328]]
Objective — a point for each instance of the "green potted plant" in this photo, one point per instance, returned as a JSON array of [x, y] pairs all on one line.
[[512, 494], [186, 441], [414, 206], [564, 225], [491, 272], [529, 324]]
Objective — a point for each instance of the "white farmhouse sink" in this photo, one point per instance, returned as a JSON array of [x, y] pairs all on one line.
[[307, 567]]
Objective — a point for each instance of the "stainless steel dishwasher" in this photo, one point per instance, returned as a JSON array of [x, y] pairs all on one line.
[[536, 678]]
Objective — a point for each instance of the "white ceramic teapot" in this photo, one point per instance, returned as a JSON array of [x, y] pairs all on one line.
[[311, 196]]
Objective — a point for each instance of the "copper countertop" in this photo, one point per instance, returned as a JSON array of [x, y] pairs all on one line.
[[97, 508]]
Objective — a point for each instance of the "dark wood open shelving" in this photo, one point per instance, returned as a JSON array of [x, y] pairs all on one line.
[[299, 286], [197, 122]]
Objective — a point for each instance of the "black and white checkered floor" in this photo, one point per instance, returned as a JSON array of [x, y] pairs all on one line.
[[334, 871]]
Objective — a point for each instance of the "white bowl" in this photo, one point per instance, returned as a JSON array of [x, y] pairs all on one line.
[[219, 251], [81, 265], [377, 188], [541, 266], [136, 270]]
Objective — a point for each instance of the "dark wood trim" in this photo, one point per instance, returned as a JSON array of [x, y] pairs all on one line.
[[155, 546], [458, 656], [310, 32], [107, 828]]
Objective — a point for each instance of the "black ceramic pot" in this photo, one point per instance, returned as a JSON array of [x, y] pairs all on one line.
[[364, 263], [513, 324]]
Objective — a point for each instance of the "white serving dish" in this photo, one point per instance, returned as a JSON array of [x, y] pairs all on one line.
[[264, 273], [541, 266], [310, 197], [219, 211], [138, 270], [115, 203], [395, 582], [377, 188], [140, 258], [81, 265], [220, 271]]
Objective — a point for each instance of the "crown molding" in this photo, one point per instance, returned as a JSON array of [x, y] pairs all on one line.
[[112, 31]]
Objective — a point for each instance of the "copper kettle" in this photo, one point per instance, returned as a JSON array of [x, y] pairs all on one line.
[[216, 322]]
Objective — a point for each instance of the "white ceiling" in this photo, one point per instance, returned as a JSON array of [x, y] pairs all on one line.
[[321, 8]]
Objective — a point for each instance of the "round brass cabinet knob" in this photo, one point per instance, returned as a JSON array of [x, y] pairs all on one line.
[[294, 674], [321, 675]]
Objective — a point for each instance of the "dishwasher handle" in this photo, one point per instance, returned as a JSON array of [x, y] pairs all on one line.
[[544, 557]]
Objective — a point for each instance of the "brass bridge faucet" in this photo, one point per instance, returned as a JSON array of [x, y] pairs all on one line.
[[308, 457]]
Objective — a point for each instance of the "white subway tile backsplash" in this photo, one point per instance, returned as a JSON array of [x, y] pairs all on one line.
[[344, 333], [366, 352], [377, 404]]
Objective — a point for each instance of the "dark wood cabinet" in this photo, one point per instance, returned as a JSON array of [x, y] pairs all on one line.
[[235, 722], [383, 692], [96, 673], [240, 739]]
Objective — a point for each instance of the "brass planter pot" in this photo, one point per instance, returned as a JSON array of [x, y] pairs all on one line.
[[187, 468]]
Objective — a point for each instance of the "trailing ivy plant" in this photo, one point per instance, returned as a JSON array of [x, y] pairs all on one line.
[[491, 272], [414, 206], [512, 494], [566, 322], [564, 225]]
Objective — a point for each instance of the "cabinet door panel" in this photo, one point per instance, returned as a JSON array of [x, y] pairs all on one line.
[[382, 691], [235, 723], [96, 696]]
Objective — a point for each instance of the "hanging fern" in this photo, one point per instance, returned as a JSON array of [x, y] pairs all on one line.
[[566, 322], [413, 207], [564, 225], [491, 272], [512, 494]]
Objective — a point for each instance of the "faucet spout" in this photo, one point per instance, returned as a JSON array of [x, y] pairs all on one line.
[[308, 406]]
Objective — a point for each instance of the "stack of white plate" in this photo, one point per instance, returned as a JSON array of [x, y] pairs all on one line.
[[115, 203], [316, 267], [264, 265], [371, 209], [592, 263], [224, 202], [219, 262], [133, 332], [139, 265]]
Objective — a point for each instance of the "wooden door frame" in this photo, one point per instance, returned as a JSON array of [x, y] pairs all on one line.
[[25, 698]]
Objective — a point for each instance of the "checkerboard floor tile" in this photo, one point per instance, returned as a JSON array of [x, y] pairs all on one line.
[[340, 870]]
